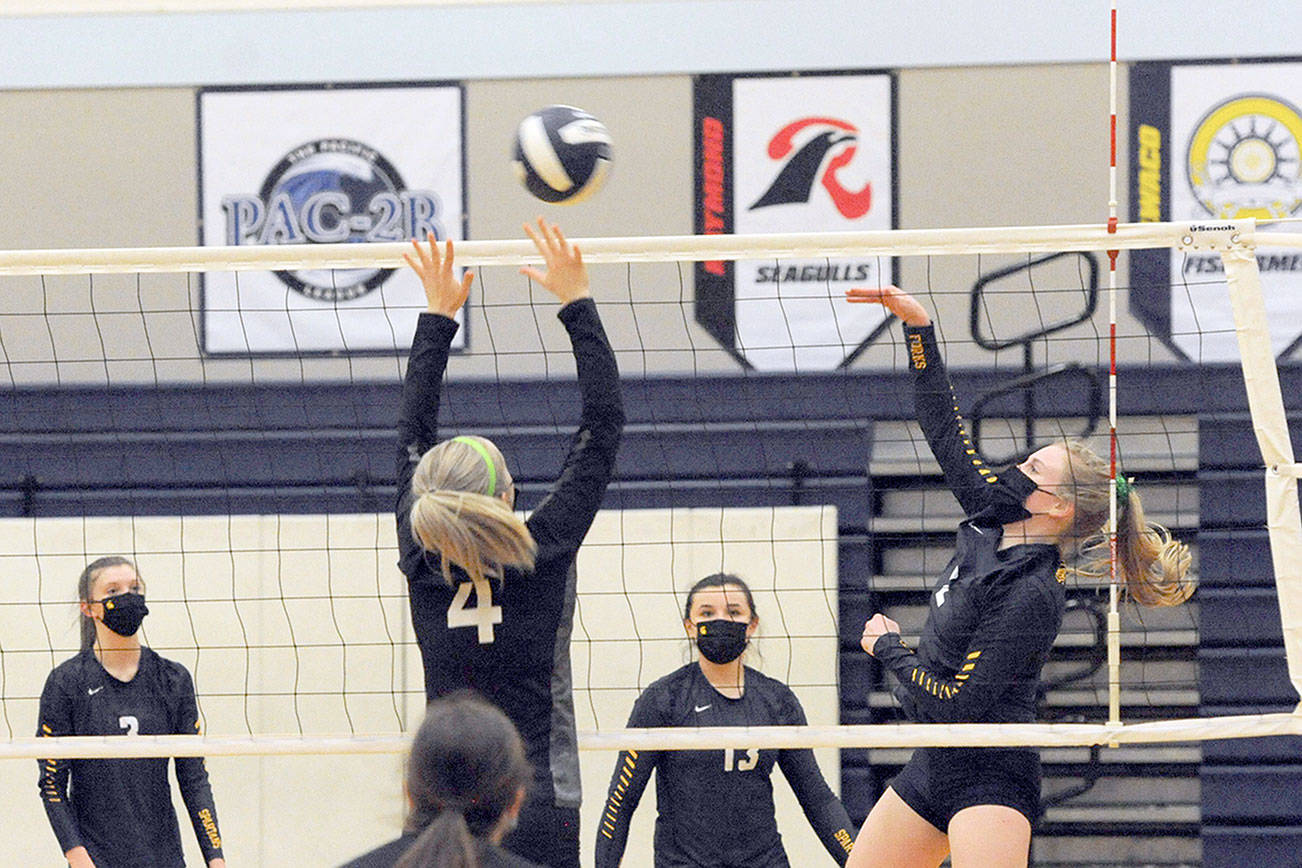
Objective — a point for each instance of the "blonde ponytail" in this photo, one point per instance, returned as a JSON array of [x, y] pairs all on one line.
[[457, 515], [1153, 565]]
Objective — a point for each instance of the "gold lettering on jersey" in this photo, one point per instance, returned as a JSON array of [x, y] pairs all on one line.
[[917, 353], [210, 828], [843, 838]]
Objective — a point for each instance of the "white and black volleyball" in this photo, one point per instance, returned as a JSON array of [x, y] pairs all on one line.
[[562, 154]]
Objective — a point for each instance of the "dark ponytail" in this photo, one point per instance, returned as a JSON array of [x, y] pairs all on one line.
[[445, 842], [466, 769], [84, 583]]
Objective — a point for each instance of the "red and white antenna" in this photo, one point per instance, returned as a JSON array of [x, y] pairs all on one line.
[[1114, 616]]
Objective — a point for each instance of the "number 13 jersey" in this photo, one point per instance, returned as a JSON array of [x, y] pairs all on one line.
[[715, 807]]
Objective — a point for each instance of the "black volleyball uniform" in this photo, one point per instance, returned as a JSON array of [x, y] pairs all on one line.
[[510, 639], [121, 810], [991, 623], [715, 807]]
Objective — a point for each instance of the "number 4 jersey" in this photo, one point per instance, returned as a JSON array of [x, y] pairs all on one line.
[[716, 806], [508, 638], [121, 810]]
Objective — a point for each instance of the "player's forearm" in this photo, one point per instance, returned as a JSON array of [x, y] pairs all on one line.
[[598, 372], [936, 407], [61, 818], [196, 792], [939, 698], [78, 857], [418, 414]]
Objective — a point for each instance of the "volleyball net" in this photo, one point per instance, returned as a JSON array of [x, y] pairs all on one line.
[[224, 416]]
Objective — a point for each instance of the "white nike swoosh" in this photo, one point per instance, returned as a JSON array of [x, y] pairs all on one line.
[[701, 708], [91, 691]]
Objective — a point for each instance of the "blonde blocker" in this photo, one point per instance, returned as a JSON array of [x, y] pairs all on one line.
[[1153, 565], [454, 515]]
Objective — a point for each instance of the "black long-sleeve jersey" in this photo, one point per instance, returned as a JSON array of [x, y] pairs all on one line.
[[715, 807], [994, 613], [121, 810], [386, 856], [510, 638]]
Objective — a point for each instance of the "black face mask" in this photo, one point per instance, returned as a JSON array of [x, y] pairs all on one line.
[[124, 612], [721, 640], [1008, 497]]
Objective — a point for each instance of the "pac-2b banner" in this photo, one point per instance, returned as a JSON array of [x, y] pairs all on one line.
[[785, 153], [1215, 141], [304, 165]]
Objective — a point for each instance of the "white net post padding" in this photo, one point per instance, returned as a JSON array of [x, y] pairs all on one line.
[[1270, 425]]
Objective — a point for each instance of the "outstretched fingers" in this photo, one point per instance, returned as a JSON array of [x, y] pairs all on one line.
[[564, 275], [444, 293], [426, 260], [894, 299]]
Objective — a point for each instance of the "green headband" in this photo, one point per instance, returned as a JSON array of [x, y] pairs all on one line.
[[1123, 488], [488, 460]]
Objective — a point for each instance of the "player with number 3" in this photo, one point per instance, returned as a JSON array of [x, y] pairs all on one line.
[[492, 597], [110, 812]]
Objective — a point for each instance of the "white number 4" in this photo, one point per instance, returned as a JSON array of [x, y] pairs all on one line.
[[483, 615]]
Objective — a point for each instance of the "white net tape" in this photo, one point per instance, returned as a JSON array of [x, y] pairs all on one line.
[[683, 248]]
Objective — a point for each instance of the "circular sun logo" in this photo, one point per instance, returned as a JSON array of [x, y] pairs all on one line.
[[1244, 159]]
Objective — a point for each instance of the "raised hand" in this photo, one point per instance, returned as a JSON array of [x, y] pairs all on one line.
[[566, 276], [894, 299], [443, 293]]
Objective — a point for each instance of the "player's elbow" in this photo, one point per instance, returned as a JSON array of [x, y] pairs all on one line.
[[963, 706]]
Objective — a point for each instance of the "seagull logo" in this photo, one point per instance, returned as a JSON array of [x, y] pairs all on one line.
[[795, 181]]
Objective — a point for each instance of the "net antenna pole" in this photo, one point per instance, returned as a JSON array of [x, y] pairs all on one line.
[[1114, 615]]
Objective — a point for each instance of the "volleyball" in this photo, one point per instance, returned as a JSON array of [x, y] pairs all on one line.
[[562, 154]]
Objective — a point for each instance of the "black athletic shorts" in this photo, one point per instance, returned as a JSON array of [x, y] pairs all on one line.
[[938, 782], [546, 834]]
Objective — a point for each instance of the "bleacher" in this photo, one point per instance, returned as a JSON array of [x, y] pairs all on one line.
[[1251, 788]]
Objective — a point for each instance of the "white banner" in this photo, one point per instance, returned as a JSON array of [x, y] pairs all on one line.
[[294, 166], [810, 154], [1235, 142]]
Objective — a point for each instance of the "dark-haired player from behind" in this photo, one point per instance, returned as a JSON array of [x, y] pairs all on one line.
[[111, 812], [715, 807], [492, 597]]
